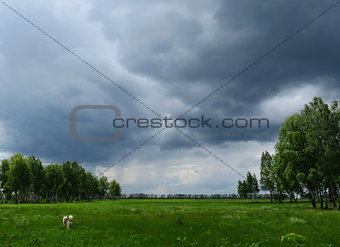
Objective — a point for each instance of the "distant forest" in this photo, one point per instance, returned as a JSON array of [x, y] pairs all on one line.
[[306, 162], [25, 179]]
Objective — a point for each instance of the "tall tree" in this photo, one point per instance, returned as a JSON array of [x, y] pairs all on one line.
[[248, 186], [290, 155], [38, 175], [53, 182], [242, 189], [103, 186], [91, 186], [114, 189], [72, 184], [4, 168], [268, 176], [322, 132], [252, 183], [19, 177]]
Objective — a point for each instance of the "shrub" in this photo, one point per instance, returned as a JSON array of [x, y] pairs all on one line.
[[294, 238]]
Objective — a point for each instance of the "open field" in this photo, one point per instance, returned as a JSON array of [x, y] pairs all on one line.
[[159, 223]]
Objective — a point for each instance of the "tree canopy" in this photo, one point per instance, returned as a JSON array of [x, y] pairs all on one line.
[[307, 156], [25, 179]]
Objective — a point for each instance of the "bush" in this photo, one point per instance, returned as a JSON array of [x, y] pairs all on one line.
[[293, 238]]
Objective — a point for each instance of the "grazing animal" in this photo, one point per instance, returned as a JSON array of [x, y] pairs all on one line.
[[67, 221]]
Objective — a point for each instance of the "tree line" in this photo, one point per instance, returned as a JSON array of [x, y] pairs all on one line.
[[183, 196], [25, 179], [306, 162]]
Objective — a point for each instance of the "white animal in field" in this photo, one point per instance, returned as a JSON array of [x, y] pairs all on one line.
[[67, 221]]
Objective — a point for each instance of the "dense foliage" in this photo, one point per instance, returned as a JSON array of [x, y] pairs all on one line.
[[25, 179], [307, 157], [249, 187]]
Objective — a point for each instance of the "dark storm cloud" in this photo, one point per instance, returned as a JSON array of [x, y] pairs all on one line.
[[236, 34], [244, 32], [41, 83]]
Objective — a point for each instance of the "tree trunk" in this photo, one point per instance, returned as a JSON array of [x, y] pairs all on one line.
[[321, 199], [326, 199], [313, 203]]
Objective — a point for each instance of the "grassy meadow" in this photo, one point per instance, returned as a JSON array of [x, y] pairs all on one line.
[[220, 223]]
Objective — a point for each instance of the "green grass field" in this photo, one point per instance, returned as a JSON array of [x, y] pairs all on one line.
[[159, 223]]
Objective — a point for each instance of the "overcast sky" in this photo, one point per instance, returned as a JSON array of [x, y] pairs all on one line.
[[169, 55]]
